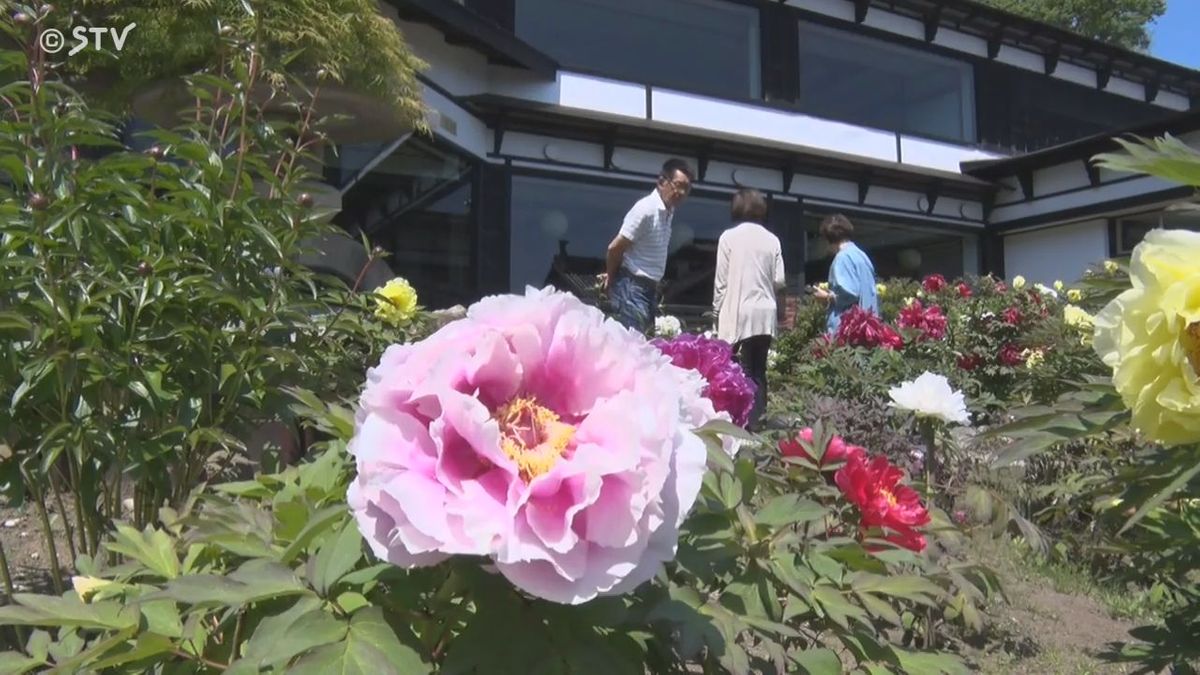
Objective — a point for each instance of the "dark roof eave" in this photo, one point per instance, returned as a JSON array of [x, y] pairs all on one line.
[[517, 114], [463, 26], [1082, 149]]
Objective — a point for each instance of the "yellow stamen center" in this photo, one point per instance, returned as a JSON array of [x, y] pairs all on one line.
[[891, 498], [1191, 345], [532, 436]]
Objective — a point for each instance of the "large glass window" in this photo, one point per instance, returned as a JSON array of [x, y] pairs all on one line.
[[849, 77], [895, 250], [417, 205], [706, 46], [1131, 230], [561, 231]]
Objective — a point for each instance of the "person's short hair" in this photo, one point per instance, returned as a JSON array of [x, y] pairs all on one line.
[[837, 228], [749, 206], [674, 164]]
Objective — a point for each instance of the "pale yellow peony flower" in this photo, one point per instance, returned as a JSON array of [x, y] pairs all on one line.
[[396, 302], [1111, 266], [823, 286], [1018, 282], [1059, 286], [1074, 295], [86, 587], [881, 289], [909, 301], [1033, 358], [1150, 337], [1075, 316]]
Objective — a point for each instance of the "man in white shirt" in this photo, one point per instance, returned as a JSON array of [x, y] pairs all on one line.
[[637, 256]]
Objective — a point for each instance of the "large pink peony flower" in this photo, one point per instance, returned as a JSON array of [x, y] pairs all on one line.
[[538, 434]]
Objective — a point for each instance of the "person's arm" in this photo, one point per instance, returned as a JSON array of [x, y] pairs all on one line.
[[780, 276], [634, 225], [722, 276], [846, 275]]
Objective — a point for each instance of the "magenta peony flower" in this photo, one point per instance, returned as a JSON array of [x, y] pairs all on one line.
[[729, 389], [538, 434]]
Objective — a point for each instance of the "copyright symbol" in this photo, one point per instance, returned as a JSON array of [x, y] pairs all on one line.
[[51, 40]]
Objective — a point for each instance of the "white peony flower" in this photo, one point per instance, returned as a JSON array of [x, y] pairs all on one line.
[[667, 326], [930, 395], [1046, 290], [772, 358]]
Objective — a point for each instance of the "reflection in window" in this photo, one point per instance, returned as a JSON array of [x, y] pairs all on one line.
[[708, 46], [416, 204], [856, 79], [561, 230], [896, 251], [1132, 230]]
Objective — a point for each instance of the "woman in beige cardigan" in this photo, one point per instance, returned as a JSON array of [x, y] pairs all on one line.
[[749, 276]]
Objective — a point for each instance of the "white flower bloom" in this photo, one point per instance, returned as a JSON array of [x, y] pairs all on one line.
[[667, 326], [772, 358], [1046, 290], [930, 395]]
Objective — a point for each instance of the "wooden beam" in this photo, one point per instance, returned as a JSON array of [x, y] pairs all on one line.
[[933, 21], [994, 43], [864, 187], [1093, 172], [1051, 58], [1026, 180], [1104, 74], [861, 7]]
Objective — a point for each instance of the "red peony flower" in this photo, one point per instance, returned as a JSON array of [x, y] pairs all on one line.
[[1010, 355], [964, 291], [969, 362], [930, 321], [860, 328], [1012, 316], [934, 283], [838, 449], [874, 487]]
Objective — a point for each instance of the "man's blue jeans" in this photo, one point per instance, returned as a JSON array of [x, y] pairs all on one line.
[[634, 301]]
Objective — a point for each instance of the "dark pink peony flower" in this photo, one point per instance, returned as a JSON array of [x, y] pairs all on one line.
[[1010, 355], [969, 362], [928, 320], [964, 291], [934, 283], [860, 328], [1011, 316], [838, 449], [729, 389]]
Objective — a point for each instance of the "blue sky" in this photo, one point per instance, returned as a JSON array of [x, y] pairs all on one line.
[[1177, 33]]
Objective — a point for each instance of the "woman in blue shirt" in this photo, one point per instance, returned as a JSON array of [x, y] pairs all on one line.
[[852, 276]]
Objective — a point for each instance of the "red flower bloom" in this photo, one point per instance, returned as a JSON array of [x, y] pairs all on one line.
[[969, 362], [964, 291], [860, 328], [1010, 355], [934, 283], [838, 449], [931, 322], [874, 487], [820, 347], [1012, 316]]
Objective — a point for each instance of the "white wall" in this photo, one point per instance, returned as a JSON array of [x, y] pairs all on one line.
[[1059, 252]]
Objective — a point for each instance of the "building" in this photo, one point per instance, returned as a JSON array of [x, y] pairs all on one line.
[[955, 136]]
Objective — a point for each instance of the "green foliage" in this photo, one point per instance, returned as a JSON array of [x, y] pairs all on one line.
[[1167, 157], [1121, 22], [347, 41], [152, 305]]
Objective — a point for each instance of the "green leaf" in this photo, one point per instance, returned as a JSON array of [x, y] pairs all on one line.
[[819, 661], [917, 589], [148, 645], [338, 556], [788, 509], [303, 626], [44, 610], [839, 610], [1154, 502], [318, 524], [879, 608], [151, 547], [162, 617], [730, 490], [723, 428], [17, 663], [254, 581], [924, 663], [370, 648]]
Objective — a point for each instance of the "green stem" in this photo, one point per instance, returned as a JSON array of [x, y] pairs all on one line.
[[929, 434], [48, 533], [66, 518]]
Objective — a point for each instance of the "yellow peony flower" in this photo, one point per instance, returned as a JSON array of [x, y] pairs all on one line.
[[1033, 358], [1059, 285], [909, 301], [1018, 282], [823, 286], [1074, 316], [1111, 266], [1074, 295], [86, 587], [881, 289], [396, 302], [1150, 337]]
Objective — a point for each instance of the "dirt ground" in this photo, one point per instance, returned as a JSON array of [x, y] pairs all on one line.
[[26, 550], [1042, 631]]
